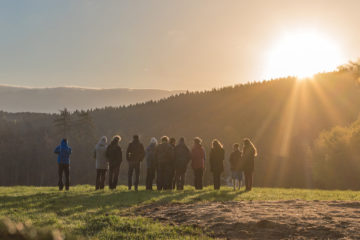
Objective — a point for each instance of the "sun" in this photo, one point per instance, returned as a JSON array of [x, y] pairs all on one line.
[[302, 54]]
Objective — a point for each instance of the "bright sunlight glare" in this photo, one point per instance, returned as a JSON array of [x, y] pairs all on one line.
[[302, 54]]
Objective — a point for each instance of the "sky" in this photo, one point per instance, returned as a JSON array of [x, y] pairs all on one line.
[[180, 44]]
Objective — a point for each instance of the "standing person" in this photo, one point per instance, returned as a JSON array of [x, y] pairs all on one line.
[[249, 154], [63, 151], [164, 154], [198, 162], [135, 153], [182, 158], [102, 164], [114, 156], [171, 167], [151, 163], [217, 155], [236, 166]]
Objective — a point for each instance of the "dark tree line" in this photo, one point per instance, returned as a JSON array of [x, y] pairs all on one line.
[[283, 117]]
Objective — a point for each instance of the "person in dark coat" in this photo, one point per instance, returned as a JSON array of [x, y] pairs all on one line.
[[102, 164], [249, 154], [236, 166], [182, 158], [151, 164], [198, 162], [135, 153], [164, 154], [217, 155], [114, 156], [171, 167], [63, 151]]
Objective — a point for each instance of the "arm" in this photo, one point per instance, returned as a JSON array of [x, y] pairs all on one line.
[[128, 152], [57, 150]]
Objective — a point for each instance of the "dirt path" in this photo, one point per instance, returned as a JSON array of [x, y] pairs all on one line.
[[265, 219]]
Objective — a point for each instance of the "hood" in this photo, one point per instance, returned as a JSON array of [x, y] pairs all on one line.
[[64, 143], [102, 141]]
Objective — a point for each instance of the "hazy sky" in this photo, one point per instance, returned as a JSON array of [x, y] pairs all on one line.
[[183, 44]]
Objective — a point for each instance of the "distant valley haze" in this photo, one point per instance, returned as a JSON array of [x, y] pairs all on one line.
[[51, 100]]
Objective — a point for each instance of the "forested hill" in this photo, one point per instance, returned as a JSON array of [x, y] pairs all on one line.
[[283, 117], [50, 100]]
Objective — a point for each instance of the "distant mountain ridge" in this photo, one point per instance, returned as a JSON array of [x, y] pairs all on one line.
[[50, 100]]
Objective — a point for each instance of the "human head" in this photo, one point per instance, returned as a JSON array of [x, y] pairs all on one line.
[[153, 141], [197, 140], [249, 145], [136, 138], [116, 139], [236, 146], [103, 140], [216, 144], [164, 139], [172, 141], [64, 141], [182, 140]]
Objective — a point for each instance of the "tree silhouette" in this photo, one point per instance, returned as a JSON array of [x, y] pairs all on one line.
[[63, 122]]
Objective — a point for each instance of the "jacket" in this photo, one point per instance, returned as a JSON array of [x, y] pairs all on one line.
[[248, 158], [63, 151], [135, 152], [198, 157], [164, 154], [114, 154], [182, 157], [150, 156], [217, 156], [100, 155], [235, 160]]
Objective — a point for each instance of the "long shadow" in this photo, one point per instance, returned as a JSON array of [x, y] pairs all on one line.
[[65, 204]]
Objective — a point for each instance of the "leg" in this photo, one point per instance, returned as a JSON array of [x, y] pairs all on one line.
[[196, 179], [98, 176], [102, 178], [67, 176], [148, 172], [111, 174], [250, 180], [218, 184], [116, 176], [201, 178], [60, 174], [182, 180], [130, 173], [137, 175]]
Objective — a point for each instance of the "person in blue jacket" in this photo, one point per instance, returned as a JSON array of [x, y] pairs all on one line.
[[63, 151]]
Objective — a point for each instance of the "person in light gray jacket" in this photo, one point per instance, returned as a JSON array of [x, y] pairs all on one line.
[[102, 164]]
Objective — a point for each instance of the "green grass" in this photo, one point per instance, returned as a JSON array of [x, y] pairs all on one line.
[[108, 214]]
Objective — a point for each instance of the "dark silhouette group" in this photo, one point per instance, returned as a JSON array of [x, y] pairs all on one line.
[[166, 161]]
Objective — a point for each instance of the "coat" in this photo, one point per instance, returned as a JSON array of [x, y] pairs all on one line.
[[236, 161], [100, 155], [150, 156], [114, 154], [182, 157], [217, 156], [248, 158], [63, 151], [135, 152], [198, 157], [164, 154]]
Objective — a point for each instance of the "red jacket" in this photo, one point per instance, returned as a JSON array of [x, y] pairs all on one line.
[[198, 157]]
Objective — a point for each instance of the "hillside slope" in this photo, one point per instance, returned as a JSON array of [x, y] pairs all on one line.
[[283, 117]]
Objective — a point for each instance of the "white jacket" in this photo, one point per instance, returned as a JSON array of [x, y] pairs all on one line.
[[100, 154]]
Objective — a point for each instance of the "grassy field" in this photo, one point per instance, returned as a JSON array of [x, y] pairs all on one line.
[[109, 214]]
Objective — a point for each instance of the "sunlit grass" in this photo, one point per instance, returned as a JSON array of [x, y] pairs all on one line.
[[108, 214]]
